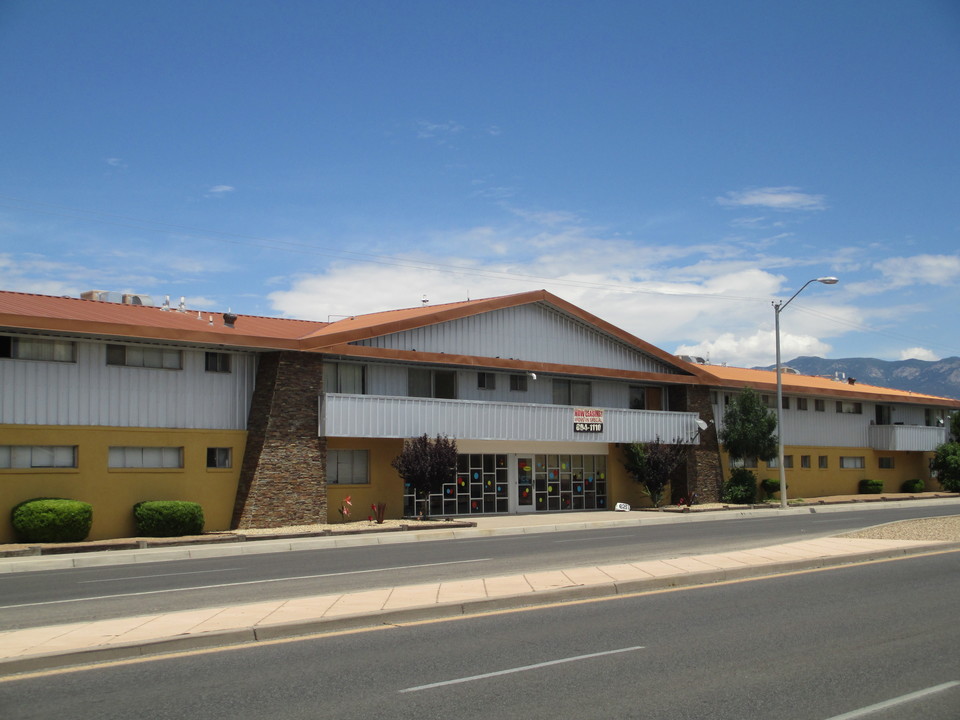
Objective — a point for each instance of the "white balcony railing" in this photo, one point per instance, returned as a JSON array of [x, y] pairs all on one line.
[[401, 417], [906, 437]]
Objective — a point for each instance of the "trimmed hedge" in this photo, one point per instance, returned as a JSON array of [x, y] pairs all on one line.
[[741, 488], [168, 518], [870, 487], [52, 520], [770, 487], [913, 486]]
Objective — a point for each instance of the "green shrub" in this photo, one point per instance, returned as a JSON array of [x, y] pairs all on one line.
[[913, 486], [770, 487], [52, 520], [741, 488], [168, 518], [870, 487]]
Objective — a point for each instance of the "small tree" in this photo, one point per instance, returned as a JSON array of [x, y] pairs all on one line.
[[652, 464], [749, 429], [427, 464], [946, 463], [955, 426]]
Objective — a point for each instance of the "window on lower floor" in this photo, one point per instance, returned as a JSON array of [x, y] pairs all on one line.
[[885, 463], [145, 357], [38, 349], [852, 462], [822, 462], [787, 462], [805, 461], [145, 457], [219, 457], [38, 456], [348, 467], [571, 392], [749, 463]]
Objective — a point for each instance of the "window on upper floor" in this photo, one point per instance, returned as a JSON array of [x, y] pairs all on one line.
[[347, 378], [216, 362], [849, 407], [769, 401], [348, 467], [638, 397], [18, 348], [801, 403], [423, 382], [934, 417], [819, 405], [486, 381], [571, 392], [785, 402], [145, 457], [518, 383], [144, 357], [38, 456]]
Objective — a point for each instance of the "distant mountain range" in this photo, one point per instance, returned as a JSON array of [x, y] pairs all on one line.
[[940, 377]]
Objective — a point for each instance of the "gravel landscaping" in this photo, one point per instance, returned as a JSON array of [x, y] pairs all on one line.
[[940, 528]]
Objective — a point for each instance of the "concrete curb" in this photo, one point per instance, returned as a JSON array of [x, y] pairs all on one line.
[[266, 633]]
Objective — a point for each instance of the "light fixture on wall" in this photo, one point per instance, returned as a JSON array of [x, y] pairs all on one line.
[[532, 375]]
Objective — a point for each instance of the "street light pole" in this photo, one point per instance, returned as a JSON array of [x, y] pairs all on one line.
[[777, 309]]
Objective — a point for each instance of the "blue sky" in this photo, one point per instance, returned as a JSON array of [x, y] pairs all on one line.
[[672, 167]]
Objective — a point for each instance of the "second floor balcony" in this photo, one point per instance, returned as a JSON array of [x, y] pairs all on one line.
[[383, 416], [917, 438]]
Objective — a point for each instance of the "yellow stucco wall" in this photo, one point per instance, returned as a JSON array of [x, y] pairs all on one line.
[[385, 485], [621, 487], [834, 480], [114, 492]]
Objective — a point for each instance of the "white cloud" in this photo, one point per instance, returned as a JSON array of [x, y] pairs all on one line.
[[774, 198], [220, 190], [427, 130], [941, 270], [918, 353], [755, 350], [116, 163]]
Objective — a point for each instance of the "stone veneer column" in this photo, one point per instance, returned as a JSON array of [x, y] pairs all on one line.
[[704, 473], [283, 476]]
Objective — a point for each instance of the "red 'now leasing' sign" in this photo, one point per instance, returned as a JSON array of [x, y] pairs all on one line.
[[587, 420]]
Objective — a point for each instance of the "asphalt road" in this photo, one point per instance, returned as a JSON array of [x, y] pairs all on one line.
[[812, 646], [80, 594]]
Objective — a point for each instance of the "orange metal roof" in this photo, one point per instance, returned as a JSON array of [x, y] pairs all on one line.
[[93, 317], [734, 377]]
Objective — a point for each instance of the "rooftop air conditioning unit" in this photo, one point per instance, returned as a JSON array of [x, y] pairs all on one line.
[[130, 299], [102, 296]]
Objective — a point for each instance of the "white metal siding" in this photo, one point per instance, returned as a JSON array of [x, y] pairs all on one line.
[[88, 392], [529, 332], [907, 437], [397, 417]]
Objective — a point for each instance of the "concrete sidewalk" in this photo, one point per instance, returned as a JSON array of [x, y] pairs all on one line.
[[42, 648]]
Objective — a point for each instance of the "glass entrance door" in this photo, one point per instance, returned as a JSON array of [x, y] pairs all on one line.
[[524, 494]]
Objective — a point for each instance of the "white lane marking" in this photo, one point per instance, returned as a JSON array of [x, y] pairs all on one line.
[[909, 697], [247, 582], [520, 669], [144, 577]]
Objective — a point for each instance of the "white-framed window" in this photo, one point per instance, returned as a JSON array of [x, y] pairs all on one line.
[[571, 392], [216, 362], [38, 456], [219, 457], [748, 463], [849, 407], [486, 381], [19, 348], [424, 382], [518, 383], [348, 467], [348, 378], [145, 357], [145, 457], [850, 462]]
